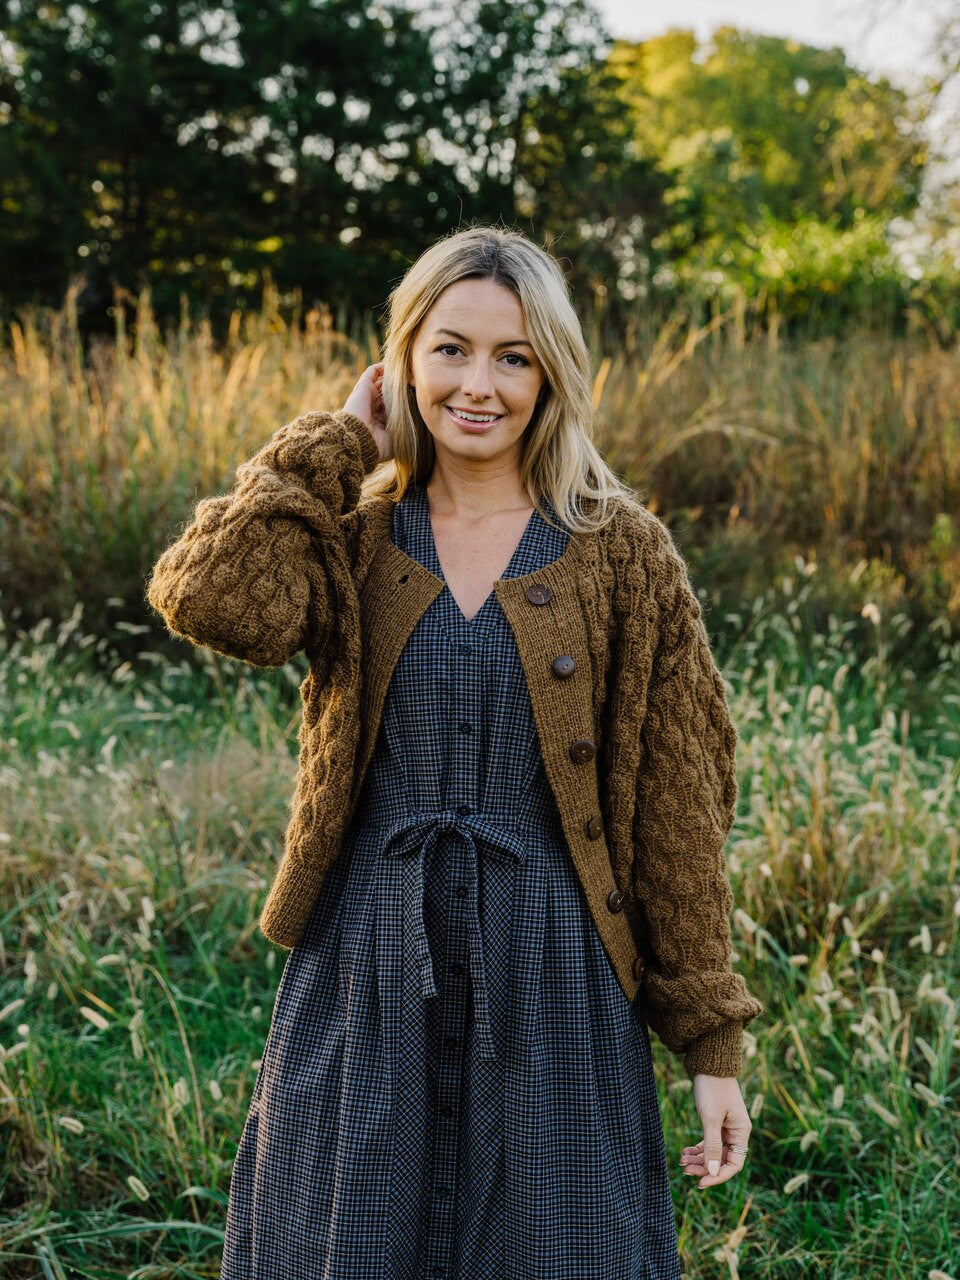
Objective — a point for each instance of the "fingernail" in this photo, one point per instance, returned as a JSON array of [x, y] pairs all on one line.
[[713, 1166]]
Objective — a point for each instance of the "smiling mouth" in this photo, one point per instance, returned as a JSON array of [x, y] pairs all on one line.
[[465, 415]]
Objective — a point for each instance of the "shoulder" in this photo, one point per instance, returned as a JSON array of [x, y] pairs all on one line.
[[638, 542]]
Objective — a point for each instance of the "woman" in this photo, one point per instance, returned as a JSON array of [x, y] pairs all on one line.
[[505, 851]]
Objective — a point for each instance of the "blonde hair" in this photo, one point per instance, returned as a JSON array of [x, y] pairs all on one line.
[[560, 460]]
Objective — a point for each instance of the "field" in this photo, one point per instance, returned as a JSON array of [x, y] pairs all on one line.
[[815, 488]]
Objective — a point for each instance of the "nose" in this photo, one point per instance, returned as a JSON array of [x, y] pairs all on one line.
[[477, 382]]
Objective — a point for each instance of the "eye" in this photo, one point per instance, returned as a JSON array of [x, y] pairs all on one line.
[[449, 346], [515, 355]]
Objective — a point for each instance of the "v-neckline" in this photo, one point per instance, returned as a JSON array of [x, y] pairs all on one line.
[[437, 567]]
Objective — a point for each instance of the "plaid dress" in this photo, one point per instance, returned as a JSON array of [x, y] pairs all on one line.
[[454, 1085]]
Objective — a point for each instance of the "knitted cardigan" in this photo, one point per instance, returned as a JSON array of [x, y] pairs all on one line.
[[292, 559]]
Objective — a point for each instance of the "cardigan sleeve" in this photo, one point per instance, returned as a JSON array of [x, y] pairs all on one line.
[[254, 573], [686, 800]]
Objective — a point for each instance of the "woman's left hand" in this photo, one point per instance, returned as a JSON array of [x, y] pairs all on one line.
[[725, 1123]]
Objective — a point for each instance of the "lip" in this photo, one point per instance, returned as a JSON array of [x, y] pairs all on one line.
[[455, 408], [472, 428]]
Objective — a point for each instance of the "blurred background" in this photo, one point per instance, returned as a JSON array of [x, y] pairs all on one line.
[[203, 209], [804, 159]]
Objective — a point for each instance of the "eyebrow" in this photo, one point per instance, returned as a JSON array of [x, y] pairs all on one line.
[[514, 342]]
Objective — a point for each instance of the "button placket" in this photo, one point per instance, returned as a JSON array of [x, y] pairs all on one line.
[[615, 900], [538, 593], [563, 666], [452, 1029], [582, 750], [461, 871]]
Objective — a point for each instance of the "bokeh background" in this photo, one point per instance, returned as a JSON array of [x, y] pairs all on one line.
[[203, 208]]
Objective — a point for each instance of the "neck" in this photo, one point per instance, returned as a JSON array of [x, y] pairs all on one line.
[[469, 493]]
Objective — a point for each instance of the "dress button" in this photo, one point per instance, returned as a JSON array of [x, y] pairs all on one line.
[[463, 809], [444, 1192], [465, 649], [438, 1272], [638, 966], [563, 666], [538, 593], [594, 828], [457, 966], [582, 750], [447, 1110], [466, 726], [615, 900], [461, 891]]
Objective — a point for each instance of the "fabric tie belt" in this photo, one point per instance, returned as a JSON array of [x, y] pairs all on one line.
[[408, 844]]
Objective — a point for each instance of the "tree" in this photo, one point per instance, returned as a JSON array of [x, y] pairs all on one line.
[[783, 162], [586, 184], [115, 157], [794, 128]]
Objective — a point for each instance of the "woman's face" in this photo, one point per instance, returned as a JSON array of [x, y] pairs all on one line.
[[472, 355]]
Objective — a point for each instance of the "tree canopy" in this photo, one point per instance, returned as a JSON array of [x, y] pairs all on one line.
[[329, 141]]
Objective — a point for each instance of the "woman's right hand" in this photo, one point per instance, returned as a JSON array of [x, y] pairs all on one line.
[[365, 402]]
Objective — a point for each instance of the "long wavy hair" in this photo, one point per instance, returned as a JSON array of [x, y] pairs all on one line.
[[559, 459]]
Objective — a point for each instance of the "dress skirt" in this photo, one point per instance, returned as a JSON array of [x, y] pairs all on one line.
[[454, 1085]]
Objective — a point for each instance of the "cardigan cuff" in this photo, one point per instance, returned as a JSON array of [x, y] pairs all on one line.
[[369, 449], [716, 1053], [286, 912]]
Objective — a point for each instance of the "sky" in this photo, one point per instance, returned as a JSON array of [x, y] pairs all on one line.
[[887, 36]]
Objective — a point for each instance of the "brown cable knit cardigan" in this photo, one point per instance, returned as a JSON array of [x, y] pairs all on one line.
[[292, 559]]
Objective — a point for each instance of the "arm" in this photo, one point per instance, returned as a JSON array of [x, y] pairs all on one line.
[[685, 808], [251, 575]]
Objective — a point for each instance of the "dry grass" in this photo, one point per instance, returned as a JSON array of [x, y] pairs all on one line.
[[755, 450]]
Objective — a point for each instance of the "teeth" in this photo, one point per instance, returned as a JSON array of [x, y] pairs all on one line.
[[476, 417]]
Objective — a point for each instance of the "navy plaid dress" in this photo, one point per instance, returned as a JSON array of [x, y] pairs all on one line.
[[454, 1085]]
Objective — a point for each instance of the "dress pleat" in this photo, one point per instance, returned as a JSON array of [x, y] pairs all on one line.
[[454, 1085]]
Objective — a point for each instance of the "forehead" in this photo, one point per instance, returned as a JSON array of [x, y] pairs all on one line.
[[476, 306]]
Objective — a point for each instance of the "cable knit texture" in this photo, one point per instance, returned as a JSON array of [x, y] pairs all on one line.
[[291, 559]]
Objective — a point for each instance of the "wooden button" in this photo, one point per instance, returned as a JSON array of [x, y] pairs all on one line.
[[582, 750], [538, 593], [594, 827], [563, 666], [638, 968], [615, 900]]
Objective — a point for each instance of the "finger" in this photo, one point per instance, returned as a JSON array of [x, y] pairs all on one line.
[[712, 1145], [727, 1170], [732, 1164]]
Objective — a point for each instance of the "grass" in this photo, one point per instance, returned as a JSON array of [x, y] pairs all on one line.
[[844, 454], [144, 785], [143, 805]]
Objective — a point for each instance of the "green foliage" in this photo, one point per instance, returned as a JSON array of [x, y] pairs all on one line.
[[798, 130], [784, 167], [143, 804], [807, 270], [329, 142], [194, 149]]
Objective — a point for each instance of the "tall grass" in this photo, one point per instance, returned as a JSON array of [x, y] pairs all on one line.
[[845, 453], [144, 784], [142, 805]]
